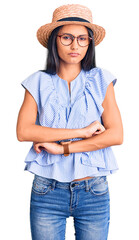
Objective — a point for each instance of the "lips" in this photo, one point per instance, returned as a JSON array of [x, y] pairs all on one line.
[[74, 54]]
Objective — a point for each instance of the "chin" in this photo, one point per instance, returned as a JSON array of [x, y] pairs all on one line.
[[74, 61]]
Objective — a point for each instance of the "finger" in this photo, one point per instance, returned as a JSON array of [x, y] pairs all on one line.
[[37, 149], [97, 132], [41, 148]]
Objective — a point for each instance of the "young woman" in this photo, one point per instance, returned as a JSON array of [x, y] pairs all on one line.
[[70, 114]]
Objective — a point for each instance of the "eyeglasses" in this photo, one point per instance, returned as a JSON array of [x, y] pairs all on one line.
[[67, 39]]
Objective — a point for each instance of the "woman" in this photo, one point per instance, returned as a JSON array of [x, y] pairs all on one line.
[[70, 114]]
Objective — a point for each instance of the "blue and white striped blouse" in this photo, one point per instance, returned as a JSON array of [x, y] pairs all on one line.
[[58, 108]]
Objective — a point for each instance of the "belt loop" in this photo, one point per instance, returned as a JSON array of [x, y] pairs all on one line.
[[86, 186], [53, 184]]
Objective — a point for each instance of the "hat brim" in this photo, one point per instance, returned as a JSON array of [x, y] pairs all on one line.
[[44, 31]]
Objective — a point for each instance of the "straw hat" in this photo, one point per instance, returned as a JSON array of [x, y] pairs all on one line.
[[70, 14]]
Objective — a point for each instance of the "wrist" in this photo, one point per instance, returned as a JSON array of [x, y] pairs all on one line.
[[82, 132], [61, 149], [65, 148]]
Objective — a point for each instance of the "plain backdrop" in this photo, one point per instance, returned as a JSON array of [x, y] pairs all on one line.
[[21, 54]]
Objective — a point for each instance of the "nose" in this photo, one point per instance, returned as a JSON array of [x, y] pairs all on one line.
[[74, 44]]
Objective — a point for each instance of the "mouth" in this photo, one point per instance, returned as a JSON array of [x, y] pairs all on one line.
[[74, 54]]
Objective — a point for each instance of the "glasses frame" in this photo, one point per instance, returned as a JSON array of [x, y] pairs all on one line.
[[73, 37]]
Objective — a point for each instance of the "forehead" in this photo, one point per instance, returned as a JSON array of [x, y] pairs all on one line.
[[73, 29]]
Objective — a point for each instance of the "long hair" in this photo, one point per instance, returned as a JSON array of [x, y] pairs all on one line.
[[53, 60]]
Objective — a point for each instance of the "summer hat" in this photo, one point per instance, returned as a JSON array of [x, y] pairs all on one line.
[[70, 14]]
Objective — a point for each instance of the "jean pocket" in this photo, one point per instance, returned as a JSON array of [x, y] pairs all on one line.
[[40, 187], [99, 188]]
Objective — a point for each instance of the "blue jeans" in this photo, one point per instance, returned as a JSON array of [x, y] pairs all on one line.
[[87, 201]]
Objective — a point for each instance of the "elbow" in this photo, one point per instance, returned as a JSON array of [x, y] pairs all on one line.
[[119, 138], [120, 141], [116, 136], [20, 135], [20, 139]]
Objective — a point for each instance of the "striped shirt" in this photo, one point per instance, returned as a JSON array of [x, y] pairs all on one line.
[[59, 108]]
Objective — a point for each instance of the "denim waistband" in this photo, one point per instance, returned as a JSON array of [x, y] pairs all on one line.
[[73, 184]]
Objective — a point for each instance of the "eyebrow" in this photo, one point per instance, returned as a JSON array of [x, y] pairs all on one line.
[[73, 35]]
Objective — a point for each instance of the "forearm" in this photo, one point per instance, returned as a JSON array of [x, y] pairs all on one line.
[[107, 138], [37, 133]]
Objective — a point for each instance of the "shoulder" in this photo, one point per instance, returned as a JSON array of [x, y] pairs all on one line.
[[100, 76], [39, 84], [97, 81], [37, 78], [39, 74], [99, 71]]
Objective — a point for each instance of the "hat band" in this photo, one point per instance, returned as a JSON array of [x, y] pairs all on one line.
[[73, 19]]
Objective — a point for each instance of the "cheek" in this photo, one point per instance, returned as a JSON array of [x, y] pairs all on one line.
[[84, 52], [58, 47], [62, 53], [61, 50]]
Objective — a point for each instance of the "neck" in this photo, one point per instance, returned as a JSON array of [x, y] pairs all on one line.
[[69, 72]]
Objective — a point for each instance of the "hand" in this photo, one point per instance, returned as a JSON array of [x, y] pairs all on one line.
[[93, 129], [50, 147]]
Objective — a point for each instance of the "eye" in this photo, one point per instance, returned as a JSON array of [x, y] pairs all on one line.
[[83, 38], [66, 37]]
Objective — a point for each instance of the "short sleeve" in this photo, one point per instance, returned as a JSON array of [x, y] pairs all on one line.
[[98, 79], [32, 84], [106, 78]]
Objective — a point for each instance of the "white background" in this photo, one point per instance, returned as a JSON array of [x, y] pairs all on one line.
[[21, 54]]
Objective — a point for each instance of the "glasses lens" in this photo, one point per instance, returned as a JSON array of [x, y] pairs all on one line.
[[83, 40], [66, 39]]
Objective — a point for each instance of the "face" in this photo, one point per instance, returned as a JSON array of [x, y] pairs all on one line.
[[68, 53]]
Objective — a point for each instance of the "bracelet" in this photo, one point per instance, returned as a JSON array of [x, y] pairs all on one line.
[[66, 148]]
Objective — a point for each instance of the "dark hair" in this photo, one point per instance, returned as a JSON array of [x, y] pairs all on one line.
[[52, 62]]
